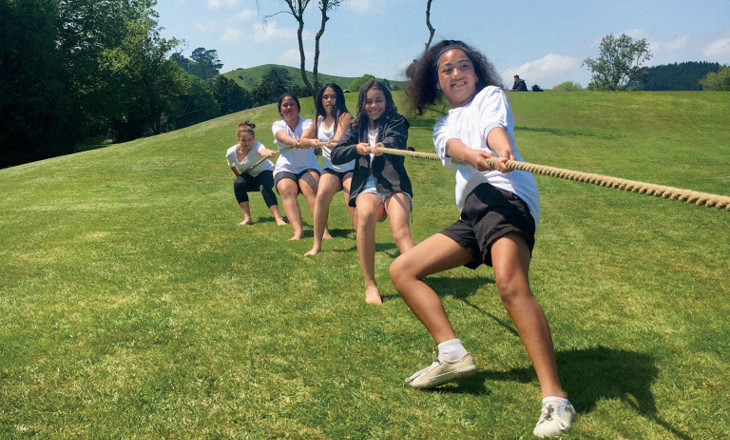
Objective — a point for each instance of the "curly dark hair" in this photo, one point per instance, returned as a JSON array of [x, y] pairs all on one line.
[[423, 73]]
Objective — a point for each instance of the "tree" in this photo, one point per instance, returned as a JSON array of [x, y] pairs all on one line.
[[618, 66], [324, 7], [34, 100], [147, 82], [358, 82], [205, 64], [58, 80], [195, 103], [678, 76], [230, 96], [717, 81], [202, 63], [431, 30], [296, 9], [270, 89]]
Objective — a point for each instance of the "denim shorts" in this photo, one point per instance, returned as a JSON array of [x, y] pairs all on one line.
[[371, 189]]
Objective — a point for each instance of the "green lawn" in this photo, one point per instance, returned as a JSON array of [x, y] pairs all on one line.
[[133, 307]]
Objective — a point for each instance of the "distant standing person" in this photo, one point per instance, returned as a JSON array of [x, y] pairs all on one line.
[[331, 122], [297, 169], [249, 161], [519, 85], [499, 212], [380, 186]]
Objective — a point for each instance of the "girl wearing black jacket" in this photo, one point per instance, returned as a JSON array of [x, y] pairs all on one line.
[[380, 185]]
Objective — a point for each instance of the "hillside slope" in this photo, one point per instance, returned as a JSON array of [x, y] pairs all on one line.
[[132, 306]]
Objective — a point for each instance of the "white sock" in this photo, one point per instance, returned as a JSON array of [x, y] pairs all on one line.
[[451, 350], [560, 400]]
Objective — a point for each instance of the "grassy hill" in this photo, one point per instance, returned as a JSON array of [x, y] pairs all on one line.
[[132, 306], [250, 78]]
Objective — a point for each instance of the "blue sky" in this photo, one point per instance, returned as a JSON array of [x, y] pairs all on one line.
[[545, 42]]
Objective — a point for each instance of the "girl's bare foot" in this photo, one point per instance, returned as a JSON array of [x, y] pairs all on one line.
[[326, 235], [296, 237], [281, 222], [246, 222], [314, 251], [372, 295]]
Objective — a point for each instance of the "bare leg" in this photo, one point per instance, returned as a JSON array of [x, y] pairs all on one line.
[[246, 210], [277, 216], [511, 263], [351, 209], [308, 184], [435, 254], [329, 184], [369, 210], [398, 207], [289, 190]]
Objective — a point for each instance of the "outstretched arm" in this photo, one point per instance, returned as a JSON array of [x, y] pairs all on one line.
[[497, 140]]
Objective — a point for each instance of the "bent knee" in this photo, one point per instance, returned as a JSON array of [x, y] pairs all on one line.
[[512, 288], [402, 272]]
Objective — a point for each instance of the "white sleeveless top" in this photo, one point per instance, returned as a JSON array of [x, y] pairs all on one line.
[[326, 135]]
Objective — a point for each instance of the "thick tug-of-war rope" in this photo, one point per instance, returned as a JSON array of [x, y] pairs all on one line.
[[260, 161], [667, 192]]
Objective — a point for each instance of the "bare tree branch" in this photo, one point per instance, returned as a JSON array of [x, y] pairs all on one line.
[[431, 30], [324, 7], [296, 9]]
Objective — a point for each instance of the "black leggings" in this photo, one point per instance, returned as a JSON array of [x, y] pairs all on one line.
[[264, 183]]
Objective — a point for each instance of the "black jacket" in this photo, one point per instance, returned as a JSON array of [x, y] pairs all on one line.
[[387, 170], [519, 86]]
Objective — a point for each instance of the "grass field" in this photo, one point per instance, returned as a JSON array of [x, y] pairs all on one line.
[[133, 307]]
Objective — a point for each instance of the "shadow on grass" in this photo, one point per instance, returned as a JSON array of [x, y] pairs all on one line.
[[560, 132], [473, 384], [600, 373], [463, 289], [342, 233]]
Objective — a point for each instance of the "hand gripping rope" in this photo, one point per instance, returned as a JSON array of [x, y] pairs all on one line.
[[667, 192], [260, 161]]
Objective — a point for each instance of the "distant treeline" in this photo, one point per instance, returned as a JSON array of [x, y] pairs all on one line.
[[678, 76]]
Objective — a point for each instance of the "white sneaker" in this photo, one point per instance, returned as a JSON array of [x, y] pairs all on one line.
[[440, 372], [554, 419]]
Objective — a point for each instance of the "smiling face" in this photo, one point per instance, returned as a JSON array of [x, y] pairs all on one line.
[[456, 77], [374, 104]]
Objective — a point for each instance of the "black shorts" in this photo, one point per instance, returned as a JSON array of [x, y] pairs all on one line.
[[342, 175], [295, 177], [490, 213]]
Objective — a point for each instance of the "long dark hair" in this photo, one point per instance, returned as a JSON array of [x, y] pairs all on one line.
[[423, 73], [390, 108], [340, 106]]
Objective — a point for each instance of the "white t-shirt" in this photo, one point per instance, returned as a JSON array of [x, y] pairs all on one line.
[[294, 160], [471, 124], [251, 158], [372, 140], [326, 135]]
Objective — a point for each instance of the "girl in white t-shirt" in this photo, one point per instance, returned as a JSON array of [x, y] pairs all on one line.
[[297, 169], [249, 161], [332, 120], [499, 214]]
